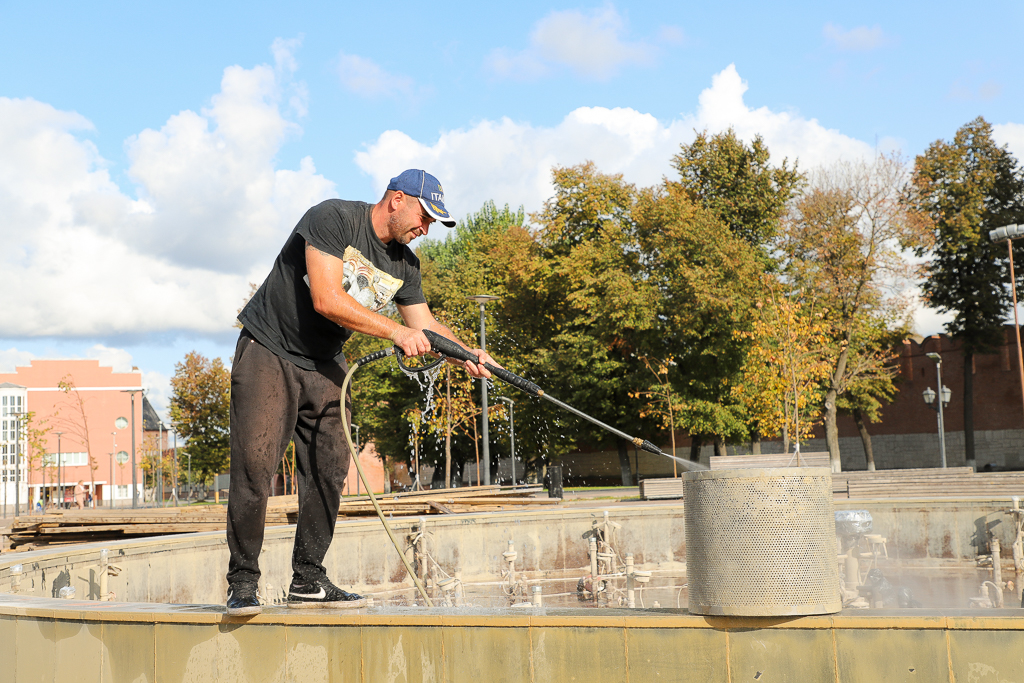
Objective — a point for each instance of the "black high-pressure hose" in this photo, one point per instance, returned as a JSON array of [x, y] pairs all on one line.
[[447, 348], [377, 355]]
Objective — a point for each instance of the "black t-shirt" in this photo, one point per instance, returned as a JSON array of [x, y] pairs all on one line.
[[281, 315]]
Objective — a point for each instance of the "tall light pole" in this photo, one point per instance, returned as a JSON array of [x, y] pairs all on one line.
[[355, 428], [512, 433], [60, 480], [944, 395], [17, 463], [176, 482], [160, 459], [1007, 234], [135, 485], [482, 299], [113, 454]]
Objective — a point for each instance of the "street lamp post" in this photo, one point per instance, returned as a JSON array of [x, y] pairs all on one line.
[[113, 454], [482, 299], [60, 480], [17, 463], [135, 484], [176, 482], [929, 398], [1007, 234], [160, 459], [512, 433], [355, 428]]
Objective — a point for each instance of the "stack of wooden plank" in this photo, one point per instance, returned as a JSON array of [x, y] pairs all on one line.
[[441, 501], [661, 489], [951, 482], [449, 501], [62, 527], [841, 480]]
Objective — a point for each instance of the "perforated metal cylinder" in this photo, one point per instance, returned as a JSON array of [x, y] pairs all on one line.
[[761, 542]]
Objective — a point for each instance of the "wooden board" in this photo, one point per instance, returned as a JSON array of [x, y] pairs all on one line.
[[719, 462], [661, 489], [61, 527]]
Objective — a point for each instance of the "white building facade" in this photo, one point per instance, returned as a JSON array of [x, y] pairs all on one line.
[[13, 447]]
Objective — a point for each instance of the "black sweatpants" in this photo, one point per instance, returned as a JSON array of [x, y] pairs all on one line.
[[273, 401]]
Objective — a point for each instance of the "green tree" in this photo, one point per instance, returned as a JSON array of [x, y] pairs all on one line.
[[787, 363], [968, 187], [737, 184], [705, 282], [36, 432], [843, 247], [200, 412], [873, 370], [662, 401], [588, 287], [451, 252], [627, 274]]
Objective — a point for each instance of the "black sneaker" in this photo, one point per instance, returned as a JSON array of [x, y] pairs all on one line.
[[322, 593], [243, 599]]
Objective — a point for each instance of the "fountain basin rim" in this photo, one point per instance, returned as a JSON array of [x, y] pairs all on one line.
[[122, 612]]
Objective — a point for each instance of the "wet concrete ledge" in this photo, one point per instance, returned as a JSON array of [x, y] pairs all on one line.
[[44, 639]]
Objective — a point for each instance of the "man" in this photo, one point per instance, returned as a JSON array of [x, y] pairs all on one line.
[[342, 264]]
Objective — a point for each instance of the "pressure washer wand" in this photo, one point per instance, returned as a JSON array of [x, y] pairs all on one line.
[[449, 348]]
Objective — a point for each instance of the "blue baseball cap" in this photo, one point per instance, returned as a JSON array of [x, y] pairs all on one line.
[[417, 183]]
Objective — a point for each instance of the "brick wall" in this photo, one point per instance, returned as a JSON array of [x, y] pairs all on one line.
[[907, 433]]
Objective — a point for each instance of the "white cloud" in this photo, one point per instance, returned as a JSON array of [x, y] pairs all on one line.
[[10, 359], [157, 385], [158, 390], [365, 77], [965, 90], [1011, 135], [591, 44], [81, 257], [117, 359], [673, 35], [516, 66], [511, 161], [857, 39]]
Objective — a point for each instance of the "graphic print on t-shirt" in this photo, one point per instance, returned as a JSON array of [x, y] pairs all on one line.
[[371, 287]]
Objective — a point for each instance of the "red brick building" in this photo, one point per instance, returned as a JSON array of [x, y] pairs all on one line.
[[907, 433], [95, 422], [998, 410]]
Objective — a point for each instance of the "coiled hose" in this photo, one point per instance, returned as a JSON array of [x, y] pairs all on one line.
[[362, 477]]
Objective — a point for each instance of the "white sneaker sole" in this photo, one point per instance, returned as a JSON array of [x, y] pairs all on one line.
[[244, 611]]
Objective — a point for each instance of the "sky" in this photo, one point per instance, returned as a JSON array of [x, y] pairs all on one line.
[[154, 158]]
